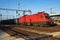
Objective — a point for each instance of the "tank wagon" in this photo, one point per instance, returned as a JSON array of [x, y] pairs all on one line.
[[41, 18]]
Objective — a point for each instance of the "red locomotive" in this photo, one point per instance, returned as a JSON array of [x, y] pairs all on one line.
[[41, 18]]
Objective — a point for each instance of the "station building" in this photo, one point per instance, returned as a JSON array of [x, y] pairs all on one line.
[[55, 17]]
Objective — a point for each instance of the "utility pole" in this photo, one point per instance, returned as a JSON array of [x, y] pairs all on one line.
[[25, 16], [18, 12], [18, 4], [0, 18], [50, 10], [30, 17], [29, 11]]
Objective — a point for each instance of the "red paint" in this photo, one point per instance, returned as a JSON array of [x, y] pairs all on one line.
[[39, 17]]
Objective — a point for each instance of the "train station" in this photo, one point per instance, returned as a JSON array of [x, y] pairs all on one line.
[[29, 20]]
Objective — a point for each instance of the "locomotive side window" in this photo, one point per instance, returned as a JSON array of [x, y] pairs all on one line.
[[47, 16]]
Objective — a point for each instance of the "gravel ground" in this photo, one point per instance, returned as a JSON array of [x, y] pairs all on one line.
[[55, 31], [5, 36]]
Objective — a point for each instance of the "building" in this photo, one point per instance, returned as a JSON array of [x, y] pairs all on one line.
[[55, 17]]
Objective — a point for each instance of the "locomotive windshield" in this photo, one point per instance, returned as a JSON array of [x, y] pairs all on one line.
[[47, 16]]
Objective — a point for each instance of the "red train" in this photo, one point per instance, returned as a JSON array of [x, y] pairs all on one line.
[[41, 18]]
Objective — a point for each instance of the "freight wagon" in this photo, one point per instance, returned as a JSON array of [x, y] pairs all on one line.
[[9, 21], [41, 19]]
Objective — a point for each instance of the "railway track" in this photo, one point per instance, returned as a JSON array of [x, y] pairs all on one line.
[[44, 29], [24, 34], [36, 28]]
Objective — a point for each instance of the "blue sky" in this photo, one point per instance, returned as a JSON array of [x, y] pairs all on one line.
[[34, 5], [41, 5]]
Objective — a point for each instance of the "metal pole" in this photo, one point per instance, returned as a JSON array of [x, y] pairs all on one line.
[[16, 16], [0, 17], [51, 10], [18, 8], [30, 15], [24, 17]]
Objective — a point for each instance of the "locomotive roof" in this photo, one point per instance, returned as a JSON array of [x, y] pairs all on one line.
[[37, 13]]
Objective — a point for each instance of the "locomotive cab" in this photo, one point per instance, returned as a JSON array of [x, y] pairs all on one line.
[[48, 19], [41, 18]]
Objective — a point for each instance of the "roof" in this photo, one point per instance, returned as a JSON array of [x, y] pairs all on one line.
[[54, 14]]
